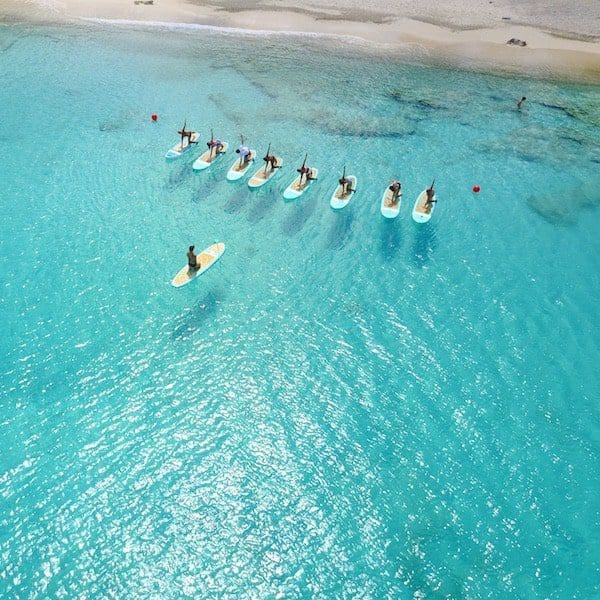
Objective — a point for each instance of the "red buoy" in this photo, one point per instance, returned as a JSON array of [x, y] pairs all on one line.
[[154, 117], [476, 188]]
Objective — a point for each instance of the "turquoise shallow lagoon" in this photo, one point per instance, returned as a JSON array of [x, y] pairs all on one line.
[[342, 407]]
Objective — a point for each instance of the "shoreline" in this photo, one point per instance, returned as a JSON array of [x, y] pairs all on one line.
[[554, 56]]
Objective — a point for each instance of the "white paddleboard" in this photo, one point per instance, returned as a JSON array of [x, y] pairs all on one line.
[[207, 258], [177, 150], [263, 175], [388, 209], [208, 158], [295, 190], [339, 200], [421, 212], [238, 170]]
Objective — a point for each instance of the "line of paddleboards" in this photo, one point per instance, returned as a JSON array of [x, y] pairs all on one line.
[[206, 259], [389, 206]]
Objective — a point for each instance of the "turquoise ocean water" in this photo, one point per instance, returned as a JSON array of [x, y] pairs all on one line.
[[343, 406]]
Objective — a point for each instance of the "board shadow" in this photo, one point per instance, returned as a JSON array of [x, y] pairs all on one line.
[[390, 239], [265, 202], [300, 211], [178, 176], [340, 230], [204, 192], [191, 320], [424, 244], [238, 198]]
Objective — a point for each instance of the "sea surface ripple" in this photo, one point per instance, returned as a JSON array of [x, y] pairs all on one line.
[[342, 406]]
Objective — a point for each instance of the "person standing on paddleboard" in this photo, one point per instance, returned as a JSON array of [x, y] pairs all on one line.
[[193, 262]]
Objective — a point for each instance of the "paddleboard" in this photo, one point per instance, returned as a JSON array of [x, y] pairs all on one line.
[[177, 150], [207, 258], [205, 160], [261, 176], [294, 190], [422, 213], [388, 209], [237, 171], [339, 200]]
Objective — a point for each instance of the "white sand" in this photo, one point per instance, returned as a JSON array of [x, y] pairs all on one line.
[[563, 38]]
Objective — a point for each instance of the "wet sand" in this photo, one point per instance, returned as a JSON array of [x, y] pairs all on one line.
[[563, 39]]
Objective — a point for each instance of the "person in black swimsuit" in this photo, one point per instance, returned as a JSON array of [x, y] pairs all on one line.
[[193, 262]]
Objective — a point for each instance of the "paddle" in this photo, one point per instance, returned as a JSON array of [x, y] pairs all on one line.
[[210, 144], [182, 132], [185, 134], [241, 157], [301, 169], [266, 158], [431, 200]]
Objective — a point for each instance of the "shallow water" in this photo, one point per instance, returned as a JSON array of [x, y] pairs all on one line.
[[343, 406]]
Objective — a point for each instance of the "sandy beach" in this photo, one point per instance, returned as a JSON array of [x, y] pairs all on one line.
[[562, 40]]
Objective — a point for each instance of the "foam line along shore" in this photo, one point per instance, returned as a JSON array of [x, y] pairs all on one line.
[[560, 44]]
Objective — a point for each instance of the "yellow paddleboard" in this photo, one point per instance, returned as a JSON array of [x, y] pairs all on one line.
[[206, 259]]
